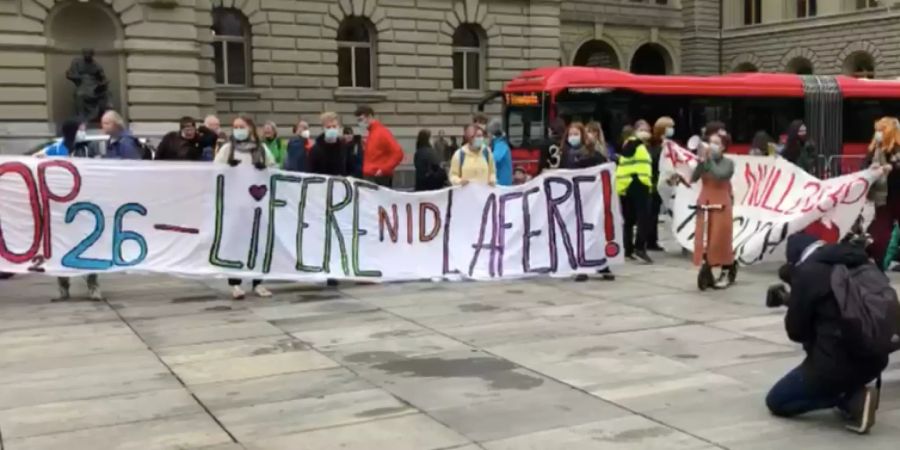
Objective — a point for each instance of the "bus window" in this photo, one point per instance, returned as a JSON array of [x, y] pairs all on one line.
[[706, 110], [524, 125], [860, 116], [771, 115]]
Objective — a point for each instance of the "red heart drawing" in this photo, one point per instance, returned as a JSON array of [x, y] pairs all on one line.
[[258, 191]]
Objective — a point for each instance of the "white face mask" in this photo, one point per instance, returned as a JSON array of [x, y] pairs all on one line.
[[477, 142], [670, 132], [240, 134], [304, 134], [331, 134], [715, 150], [879, 137], [575, 141], [80, 136]]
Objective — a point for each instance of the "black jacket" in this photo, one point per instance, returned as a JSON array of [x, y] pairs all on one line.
[[330, 158], [176, 148], [813, 319], [579, 160], [296, 158], [429, 174]]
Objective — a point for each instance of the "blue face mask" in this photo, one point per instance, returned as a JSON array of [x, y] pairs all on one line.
[[240, 134], [478, 142], [575, 141], [331, 134]]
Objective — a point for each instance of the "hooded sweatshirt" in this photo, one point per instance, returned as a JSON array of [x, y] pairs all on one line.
[[814, 319], [382, 152]]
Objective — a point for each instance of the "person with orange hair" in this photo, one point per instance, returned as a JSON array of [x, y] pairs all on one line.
[[884, 152]]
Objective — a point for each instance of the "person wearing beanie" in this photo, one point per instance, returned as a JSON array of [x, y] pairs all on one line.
[[831, 375]]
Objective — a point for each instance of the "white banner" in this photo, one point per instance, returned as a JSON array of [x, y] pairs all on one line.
[[772, 200], [72, 216]]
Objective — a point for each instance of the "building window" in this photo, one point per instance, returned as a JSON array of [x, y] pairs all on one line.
[[752, 12], [596, 53], [468, 57], [860, 65], [231, 45], [800, 66], [806, 8], [746, 68], [863, 4], [356, 53]]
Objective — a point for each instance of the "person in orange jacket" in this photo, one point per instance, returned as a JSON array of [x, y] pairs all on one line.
[[381, 152]]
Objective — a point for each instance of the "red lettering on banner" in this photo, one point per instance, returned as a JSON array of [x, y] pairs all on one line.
[[773, 181], [47, 194], [864, 189], [813, 198], [5, 253], [785, 194]]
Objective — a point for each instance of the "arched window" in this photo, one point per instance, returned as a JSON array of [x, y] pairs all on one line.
[[468, 57], [800, 66], [860, 65], [231, 45], [356, 53], [746, 68], [651, 59], [596, 53]]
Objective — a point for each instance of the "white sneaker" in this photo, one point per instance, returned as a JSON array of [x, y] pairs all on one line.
[[237, 293], [261, 291]]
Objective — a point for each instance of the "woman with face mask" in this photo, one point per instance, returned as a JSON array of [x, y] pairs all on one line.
[[799, 149], [714, 171], [474, 161], [276, 146], [243, 149], [884, 154], [663, 131]]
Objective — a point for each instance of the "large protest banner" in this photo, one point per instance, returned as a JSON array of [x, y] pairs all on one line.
[[772, 200], [72, 216]]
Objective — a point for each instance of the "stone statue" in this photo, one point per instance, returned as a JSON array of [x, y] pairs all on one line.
[[91, 87]]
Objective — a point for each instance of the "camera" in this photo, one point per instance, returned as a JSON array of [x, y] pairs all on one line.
[[777, 295]]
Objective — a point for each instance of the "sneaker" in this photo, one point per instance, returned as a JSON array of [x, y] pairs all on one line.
[[95, 294], [861, 407], [655, 248], [643, 256], [581, 278], [237, 293], [261, 291]]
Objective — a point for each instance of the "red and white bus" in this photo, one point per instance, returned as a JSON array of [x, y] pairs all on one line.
[[839, 111]]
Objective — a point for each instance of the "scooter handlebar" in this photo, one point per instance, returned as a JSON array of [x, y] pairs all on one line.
[[707, 207]]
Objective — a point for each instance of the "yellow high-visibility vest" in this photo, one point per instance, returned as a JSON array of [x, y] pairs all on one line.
[[640, 164]]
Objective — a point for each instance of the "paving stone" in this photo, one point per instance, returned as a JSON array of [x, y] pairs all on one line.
[[197, 431], [410, 432], [79, 414], [233, 369], [211, 351]]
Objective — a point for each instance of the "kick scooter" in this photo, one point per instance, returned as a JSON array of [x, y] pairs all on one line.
[[705, 278]]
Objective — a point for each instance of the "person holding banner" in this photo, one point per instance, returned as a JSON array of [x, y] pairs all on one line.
[[884, 152], [714, 170], [663, 130], [474, 161], [634, 175], [245, 147]]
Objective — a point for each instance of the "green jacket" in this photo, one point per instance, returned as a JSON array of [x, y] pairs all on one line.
[[278, 148]]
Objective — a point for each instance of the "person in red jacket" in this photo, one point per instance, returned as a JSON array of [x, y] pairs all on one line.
[[381, 152]]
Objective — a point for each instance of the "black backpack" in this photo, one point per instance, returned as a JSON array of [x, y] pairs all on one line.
[[870, 310]]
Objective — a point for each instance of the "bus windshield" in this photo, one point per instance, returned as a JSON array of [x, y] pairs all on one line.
[[524, 125]]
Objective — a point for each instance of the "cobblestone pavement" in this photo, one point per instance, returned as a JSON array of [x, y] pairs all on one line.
[[644, 362]]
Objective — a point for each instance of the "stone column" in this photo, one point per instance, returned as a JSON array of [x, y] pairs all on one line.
[[700, 40]]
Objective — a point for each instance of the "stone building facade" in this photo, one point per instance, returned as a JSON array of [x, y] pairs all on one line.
[[419, 63]]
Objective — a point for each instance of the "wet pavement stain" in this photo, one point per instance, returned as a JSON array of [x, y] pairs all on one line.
[[382, 411], [218, 308], [515, 291], [476, 307], [686, 356], [390, 334], [768, 355], [547, 302], [372, 357], [280, 347], [195, 299], [499, 373], [316, 297], [635, 435], [591, 350]]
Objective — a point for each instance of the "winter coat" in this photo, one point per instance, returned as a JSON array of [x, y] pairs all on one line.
[[429, 174], [814, 320], [296, 157], [503, 160], [125, 146], [330, 158], [176, 148]]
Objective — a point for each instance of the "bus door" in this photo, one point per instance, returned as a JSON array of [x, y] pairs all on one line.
[[525, 120]]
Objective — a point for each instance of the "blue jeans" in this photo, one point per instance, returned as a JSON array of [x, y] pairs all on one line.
[[792, 396]]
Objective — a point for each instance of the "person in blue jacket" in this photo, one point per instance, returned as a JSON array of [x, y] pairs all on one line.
[[70, 134], [502, 153], [122, 144]]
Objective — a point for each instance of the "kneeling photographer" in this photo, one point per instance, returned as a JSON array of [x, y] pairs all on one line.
[[843, 354]]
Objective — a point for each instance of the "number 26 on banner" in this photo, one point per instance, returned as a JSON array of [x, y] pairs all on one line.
[[74, 259]]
